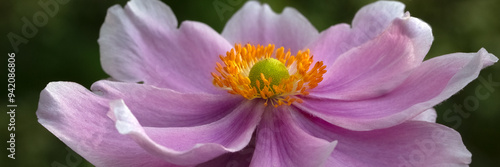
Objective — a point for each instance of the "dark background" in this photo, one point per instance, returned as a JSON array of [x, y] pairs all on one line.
[[66, 49]]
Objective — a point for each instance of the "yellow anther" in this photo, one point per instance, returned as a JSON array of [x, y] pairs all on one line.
[[264, 72]]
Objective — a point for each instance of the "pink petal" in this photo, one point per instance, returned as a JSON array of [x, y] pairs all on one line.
[[372, 19], [240, 158], [191, 145], [331, 43], [142, 43], [428, 115], [258, 24], [427, 85], [379, 65], [413, 143], [280, 142], [369, 22], [157, 107], [78, 118]]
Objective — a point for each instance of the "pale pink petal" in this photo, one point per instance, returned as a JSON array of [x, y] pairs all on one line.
[[240, 158], [369, 22], [427, 85], [428, 115], [191, 145], [142, 43], [78, 118], [159, 107], [373, 18], [258, 24], [413, 143], [379, 65], [281, 143], [331, 43]]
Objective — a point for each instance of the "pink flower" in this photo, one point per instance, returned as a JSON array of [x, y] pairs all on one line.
[[357, 95]]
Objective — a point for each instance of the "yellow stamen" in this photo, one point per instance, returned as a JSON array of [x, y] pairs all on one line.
[[238, 76]]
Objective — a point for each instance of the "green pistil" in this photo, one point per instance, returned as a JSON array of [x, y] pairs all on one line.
[[271, 68]]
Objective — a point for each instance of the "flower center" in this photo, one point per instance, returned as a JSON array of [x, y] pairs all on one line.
[[267, 68], [263, 72]]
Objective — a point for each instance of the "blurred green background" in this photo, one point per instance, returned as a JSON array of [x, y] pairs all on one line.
[[66, 49]]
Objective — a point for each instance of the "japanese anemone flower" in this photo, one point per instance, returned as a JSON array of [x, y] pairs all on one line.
[[270, 90]]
